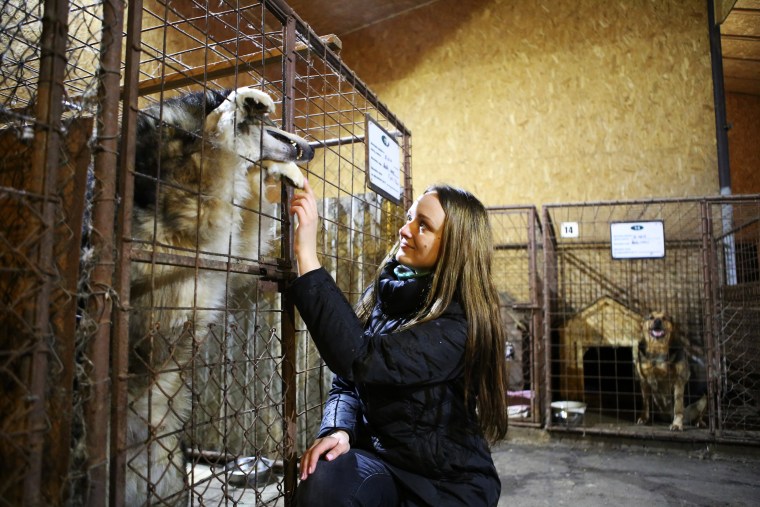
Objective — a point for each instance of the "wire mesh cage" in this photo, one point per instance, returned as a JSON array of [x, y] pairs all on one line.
[[255, 391], [735, 239], [359, 225], [148, 352], [52, 135], [517, 271], [608, 266], [612, 269]]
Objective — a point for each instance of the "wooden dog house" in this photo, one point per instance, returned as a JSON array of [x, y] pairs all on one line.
[[604, 323]]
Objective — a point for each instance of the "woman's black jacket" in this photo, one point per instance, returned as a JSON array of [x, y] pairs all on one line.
[[398, 393]]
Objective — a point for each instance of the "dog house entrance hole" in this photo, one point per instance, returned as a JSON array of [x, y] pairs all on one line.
[[608, 380]]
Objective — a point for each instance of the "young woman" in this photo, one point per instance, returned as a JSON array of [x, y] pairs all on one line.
[[420, 374]]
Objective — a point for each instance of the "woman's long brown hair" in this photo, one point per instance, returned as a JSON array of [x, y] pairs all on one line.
[[464, 268]]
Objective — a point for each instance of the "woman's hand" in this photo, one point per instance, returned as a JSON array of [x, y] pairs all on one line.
[[332, 446], [304, 206]]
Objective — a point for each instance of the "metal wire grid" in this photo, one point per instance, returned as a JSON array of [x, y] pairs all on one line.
[[735, 241], [358, 225], [234, 418], [51, 57], [325, 102], [244, 357], [517, 275], [20, 39], [595, 304], [232, 377], [241, 374], [20, 45]]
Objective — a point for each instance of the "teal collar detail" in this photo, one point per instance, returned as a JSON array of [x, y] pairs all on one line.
[[406, 273]]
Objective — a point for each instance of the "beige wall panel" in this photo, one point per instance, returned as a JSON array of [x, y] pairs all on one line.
[[741, 22], [550, 101], [743, 114], [735, 48], [722, 9]]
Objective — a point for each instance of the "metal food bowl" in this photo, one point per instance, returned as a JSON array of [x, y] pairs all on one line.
[[568, 413], [249, 472]]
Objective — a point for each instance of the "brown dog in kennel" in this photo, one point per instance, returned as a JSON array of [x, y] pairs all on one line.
[[202, 161], [662, 368]]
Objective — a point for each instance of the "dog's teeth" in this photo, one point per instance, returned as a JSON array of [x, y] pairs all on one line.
[[299, 151]]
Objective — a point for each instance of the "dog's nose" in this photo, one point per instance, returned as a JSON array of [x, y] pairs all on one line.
[[658, 323]]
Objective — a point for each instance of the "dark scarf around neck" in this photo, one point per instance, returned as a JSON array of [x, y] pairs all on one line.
[[401, 290]]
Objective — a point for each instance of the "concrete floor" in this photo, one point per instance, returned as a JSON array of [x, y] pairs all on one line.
[[539, 469]]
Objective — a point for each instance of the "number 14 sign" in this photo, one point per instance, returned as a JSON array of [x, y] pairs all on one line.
[[568, 230]]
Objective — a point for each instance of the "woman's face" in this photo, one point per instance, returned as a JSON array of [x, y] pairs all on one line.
[[420, 237]]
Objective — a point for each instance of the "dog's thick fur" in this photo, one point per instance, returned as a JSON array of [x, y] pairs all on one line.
[[662, 369], [202, 161]]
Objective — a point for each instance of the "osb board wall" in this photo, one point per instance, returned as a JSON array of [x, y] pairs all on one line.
[[743, 114], [550, 100]]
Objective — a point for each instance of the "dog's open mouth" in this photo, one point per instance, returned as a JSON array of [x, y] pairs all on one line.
[[657, 333], [298, 149]]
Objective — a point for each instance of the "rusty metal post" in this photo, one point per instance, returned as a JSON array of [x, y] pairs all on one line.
[[99, 304], [288, 316], [550, 287], [537, 343], [709, 270], [47, 140], [120, 335], [289, 390]]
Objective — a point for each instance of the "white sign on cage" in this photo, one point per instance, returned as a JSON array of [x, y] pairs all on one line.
[[383, 162], [637, 240], [569, 230]]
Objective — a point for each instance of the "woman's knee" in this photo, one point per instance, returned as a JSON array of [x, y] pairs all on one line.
[[321, 487], [353, 479]]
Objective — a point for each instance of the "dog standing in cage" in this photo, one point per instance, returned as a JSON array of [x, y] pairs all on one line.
[[662, 367], [203, 162]]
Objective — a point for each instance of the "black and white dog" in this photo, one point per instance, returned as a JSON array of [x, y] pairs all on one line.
[[202, 162]]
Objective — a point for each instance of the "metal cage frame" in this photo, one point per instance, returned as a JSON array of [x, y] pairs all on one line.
[[47, 365], [585, 289]]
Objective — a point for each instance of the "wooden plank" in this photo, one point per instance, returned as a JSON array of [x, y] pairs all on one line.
[[218, 70]]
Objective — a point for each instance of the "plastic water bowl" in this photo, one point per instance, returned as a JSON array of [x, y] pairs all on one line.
[[568, 413]]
